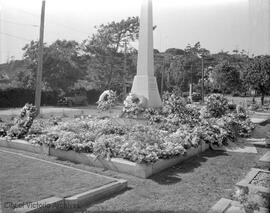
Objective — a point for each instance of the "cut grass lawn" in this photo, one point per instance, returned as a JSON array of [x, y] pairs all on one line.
[[26, 180], [47, 112], [193, 186]]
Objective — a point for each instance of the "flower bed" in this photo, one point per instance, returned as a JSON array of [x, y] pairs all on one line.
[[116, 164], [167, 133]]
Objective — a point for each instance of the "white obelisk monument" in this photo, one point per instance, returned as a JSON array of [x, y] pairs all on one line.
[[144, 83]]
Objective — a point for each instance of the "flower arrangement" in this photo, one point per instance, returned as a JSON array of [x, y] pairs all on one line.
[[106, 100], [174, 113], [23, 122], [134, 105]]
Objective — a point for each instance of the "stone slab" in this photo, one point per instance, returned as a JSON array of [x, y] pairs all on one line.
[[94, 195], [230, 206], [258, 120], [48, 205], [262, 142], [265, 157]]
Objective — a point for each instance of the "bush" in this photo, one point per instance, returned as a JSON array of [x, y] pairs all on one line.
[[17, 97]]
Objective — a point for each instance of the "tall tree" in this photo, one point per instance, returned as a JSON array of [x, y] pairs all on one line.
[[226, 77], [63, 64], [106, 50], [257, 75]]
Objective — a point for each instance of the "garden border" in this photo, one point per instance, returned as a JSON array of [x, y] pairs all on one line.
[[224, 204], [115, 164], [56, 204], [249, 177]]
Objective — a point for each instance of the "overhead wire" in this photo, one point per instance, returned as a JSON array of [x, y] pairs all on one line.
[[15, 36], [16, 23]]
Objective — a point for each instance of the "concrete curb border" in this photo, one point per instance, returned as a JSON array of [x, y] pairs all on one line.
[[224, 204], [249, 177], [55, 204], [265, 158], [115, 164]]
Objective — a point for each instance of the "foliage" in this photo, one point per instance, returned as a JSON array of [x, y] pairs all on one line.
[[216, 105], [62, 63], [173, 114], [105, 50], [257, 75], [226, 77]]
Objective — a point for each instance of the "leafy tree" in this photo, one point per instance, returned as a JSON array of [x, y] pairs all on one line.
[[62, 63], [106, 51], [226, 77], [257, 75]]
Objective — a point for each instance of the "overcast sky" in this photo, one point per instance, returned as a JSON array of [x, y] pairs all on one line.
[[217, 24]]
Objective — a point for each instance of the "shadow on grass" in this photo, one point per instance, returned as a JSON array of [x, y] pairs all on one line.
[[170, 176]]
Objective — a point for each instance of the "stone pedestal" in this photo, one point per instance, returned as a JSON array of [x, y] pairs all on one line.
[[145, 83], [147, 86]]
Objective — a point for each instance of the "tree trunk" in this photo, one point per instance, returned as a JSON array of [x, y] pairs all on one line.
[[262, 99]]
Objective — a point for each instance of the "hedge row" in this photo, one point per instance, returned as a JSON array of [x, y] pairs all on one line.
[[17, 97]]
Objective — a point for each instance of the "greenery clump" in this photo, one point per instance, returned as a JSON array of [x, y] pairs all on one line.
[[24, 122], [217, 105]]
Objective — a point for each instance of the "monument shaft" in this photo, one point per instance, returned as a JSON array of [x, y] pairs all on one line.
[[145, 83]]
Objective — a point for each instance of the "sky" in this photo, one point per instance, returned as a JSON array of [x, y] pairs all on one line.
[[217, 24]]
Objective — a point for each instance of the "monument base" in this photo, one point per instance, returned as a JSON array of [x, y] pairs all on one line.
[[147, 86]]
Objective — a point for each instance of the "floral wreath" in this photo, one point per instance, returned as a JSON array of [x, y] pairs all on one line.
[[23, 122], [106, 100], [134, 104]]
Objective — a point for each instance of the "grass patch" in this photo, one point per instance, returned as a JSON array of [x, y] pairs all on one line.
[[193, 186], [27, 180]]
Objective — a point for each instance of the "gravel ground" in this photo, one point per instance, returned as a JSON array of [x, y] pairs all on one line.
[[262, 179]]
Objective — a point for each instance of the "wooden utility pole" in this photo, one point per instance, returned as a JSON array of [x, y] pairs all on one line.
[[125, 71], [202, 80], [40, 60]]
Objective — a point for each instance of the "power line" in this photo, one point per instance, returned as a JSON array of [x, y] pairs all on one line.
[[17, 37], [55, 23], [23, 24]]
